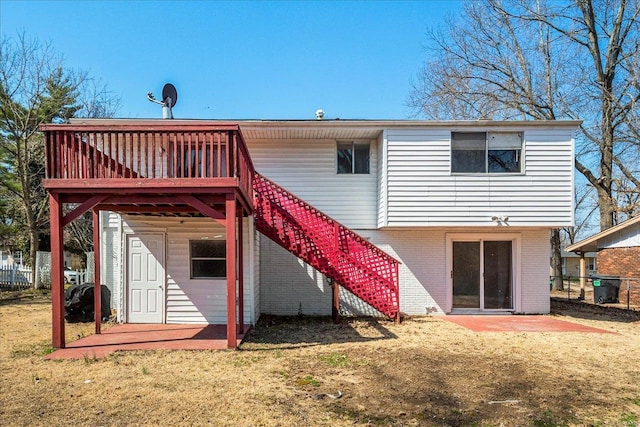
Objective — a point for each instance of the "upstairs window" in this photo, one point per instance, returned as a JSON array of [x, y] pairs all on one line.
[[208, 259], [468, 152], [486, 152], [353, 157]]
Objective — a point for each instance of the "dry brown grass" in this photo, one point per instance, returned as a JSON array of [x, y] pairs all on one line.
[[425, 372]]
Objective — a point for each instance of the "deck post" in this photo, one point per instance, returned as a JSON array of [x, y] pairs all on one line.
[[97, 294], [240, 275], [57, 271], [335, 307], [396, 269], [230, 212]]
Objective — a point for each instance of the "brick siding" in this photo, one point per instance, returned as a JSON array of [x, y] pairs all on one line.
[[623, 262]]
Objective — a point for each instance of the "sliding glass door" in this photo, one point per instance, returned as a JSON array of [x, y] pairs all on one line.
[[482, 274], [466, 275]]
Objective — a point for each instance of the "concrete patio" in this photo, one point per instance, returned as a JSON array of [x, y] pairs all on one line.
[[518, 323]]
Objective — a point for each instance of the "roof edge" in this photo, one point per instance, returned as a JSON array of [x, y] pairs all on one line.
[[339, 123], [576, 247]]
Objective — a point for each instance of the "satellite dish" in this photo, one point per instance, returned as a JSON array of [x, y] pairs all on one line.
[[169, 99], [169, 95]]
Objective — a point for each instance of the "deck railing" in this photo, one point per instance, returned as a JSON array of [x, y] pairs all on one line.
[[97, 152]]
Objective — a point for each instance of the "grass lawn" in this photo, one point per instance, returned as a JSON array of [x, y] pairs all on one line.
[[424, 372]]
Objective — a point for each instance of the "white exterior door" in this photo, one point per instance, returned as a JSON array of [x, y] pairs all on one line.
[[145, 278]]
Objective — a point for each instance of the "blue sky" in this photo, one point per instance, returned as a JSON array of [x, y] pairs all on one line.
[[242, 60]]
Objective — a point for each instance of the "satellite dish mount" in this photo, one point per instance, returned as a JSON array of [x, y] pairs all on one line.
[[169, 99]]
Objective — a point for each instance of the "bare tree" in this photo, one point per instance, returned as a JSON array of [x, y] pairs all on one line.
[[545, 60], [628, 199], [585, 206], [78, 235], [36, 88]]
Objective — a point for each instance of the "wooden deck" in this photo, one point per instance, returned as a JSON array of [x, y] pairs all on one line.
[[147, 167], [130, 337]]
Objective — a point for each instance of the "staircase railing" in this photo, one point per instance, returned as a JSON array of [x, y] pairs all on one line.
[[336, 251]]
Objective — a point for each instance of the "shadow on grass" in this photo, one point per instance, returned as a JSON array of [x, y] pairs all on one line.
[[284, 332], [38, 296], [435, 386], [584, 310]]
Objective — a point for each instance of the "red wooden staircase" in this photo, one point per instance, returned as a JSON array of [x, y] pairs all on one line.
[[328, 246]]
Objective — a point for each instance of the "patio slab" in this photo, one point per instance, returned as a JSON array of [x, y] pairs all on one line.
[[147, 337], [518, 323]]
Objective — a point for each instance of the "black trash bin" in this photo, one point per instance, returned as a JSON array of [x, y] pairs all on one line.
[[605, 289]]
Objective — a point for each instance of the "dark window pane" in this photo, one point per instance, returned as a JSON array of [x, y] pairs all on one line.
[[504, 160], [468, 152], [345, 157], [208, 248], [497, 274], [361, 158], [467, 161], [466, 274], [208, 268], [504, 152]]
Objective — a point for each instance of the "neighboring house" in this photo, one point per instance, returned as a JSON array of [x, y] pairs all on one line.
[[571, 263], [449, 217], [9, 259], [618, 254]]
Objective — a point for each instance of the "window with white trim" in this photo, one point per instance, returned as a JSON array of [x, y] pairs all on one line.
[[353, 157], [486, 152], [208, 259]]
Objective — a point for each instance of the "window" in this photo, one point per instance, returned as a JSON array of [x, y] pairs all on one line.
[[482, 152], [468, 152], [353, 157], [208, 259]]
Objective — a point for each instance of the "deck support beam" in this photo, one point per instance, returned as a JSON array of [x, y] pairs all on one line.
[[203, 208], [97, 294], [57, 271], [85, 206], [230, 210], [240, 273]]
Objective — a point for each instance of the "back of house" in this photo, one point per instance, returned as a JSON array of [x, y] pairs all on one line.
[[462, 210]]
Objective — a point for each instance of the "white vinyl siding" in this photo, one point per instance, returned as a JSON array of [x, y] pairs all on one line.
[[382, 181], [193, 301], [110, 256], [255, 249], [625, 238], [307, 168], [534, 295], [421, 191]]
